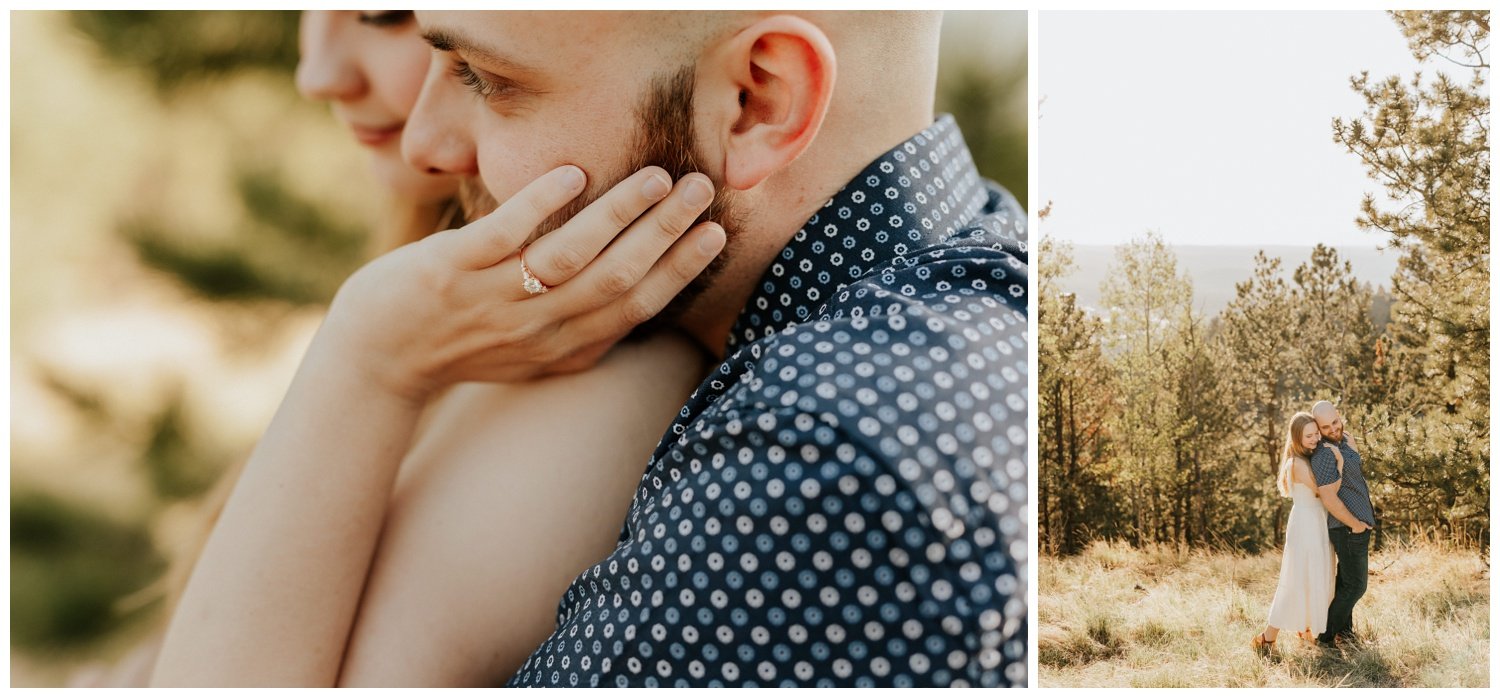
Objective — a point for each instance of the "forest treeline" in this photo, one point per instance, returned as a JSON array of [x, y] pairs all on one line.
[[1158, 424]]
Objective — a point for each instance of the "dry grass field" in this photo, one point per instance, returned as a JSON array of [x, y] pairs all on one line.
[[1119, 616]]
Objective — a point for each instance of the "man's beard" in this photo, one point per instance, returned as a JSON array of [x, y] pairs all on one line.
[[664, 138]]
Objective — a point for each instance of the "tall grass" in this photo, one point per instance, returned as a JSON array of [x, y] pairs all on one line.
[[1120, 616]]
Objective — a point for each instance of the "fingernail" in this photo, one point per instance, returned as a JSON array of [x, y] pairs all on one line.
[[656, 186], [572, 177], [698, 192], [711, 240]]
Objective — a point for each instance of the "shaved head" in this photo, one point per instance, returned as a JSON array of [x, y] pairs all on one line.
[[675, 29], [1330, 422]]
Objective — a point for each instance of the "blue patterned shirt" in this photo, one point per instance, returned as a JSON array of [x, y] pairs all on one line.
[[842, 502], [1354, 492]]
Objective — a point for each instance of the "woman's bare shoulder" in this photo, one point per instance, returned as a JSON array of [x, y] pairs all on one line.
[[665, 364], [1301, 465], [550, 465], [637, 386], [663, 349]]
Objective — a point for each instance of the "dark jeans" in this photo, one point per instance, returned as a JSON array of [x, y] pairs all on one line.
[[1353, 551]]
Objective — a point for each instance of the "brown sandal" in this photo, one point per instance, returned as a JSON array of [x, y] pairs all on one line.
[[1261, 645]]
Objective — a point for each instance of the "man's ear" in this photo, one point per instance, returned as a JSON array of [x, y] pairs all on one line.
[[770, 85]]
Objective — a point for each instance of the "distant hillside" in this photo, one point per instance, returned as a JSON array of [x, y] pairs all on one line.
[[1215, 269]]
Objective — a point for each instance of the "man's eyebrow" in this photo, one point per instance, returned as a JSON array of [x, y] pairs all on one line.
[[447, 41]]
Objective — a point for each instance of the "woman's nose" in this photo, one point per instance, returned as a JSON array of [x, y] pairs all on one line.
[[327, 69]]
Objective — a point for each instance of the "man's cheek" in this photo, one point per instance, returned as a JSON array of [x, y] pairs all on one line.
[[501, 178], [505, 174]]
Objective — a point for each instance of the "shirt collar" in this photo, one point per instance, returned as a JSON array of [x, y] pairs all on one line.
[[915, 195]]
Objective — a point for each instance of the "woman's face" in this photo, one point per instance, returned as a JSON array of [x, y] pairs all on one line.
[[370, 65], [1310, 435]]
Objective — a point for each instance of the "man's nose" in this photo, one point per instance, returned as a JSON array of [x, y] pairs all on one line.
[[325, 70], [437, 136]]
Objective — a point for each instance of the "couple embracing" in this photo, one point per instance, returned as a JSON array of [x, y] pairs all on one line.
[[473, 480], [1325, 562]]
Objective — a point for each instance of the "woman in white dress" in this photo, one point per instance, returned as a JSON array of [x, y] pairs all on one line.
[[1305, 587]]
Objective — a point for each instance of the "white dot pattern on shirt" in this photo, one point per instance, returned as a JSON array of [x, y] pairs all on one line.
[[843, 501]]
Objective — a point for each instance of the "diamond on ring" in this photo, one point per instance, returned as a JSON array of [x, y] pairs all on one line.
[[529, 282]]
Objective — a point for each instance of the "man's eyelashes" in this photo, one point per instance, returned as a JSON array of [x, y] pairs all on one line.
[[485, 89]]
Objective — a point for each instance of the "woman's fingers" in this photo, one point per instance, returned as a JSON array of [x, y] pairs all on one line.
[[626, 262], [558, 256], [691, 254], [487, 241]]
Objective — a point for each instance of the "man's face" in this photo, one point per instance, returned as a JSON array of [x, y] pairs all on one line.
[[512, 95], [1332, 426]]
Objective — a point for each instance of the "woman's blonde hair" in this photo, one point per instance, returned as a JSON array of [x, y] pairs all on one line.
[[1293, 448]]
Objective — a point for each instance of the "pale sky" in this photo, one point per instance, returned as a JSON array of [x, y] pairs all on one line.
[[1212, 128]]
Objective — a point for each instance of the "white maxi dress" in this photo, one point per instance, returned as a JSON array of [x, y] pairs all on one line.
[[1305, 587]]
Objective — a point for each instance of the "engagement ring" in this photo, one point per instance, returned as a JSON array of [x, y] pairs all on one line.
[[533, 285]]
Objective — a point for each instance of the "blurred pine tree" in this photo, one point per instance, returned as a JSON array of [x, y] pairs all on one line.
[[69, 569], [178, 48], [289, 250]]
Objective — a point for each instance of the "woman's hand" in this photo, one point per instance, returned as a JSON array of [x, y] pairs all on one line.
[[275, 592], [452, 308], [1337, 455]]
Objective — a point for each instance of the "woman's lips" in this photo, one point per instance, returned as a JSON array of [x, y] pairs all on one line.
[[372, 136]]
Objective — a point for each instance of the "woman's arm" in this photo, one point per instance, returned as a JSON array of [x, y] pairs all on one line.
[[274, 593], [1328, 492], [273, 597], [1338, 457], [1302, 472]]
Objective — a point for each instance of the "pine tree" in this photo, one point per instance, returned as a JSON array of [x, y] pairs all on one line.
[[1203, 423], [1074, 404], [1426, 141], [1258, 335], [1144, 295], [1334, 343]]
